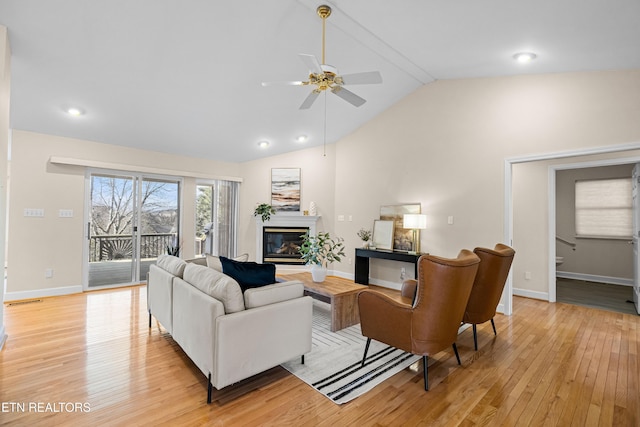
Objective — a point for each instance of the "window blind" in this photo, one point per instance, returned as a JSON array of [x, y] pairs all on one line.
[[603, 208]]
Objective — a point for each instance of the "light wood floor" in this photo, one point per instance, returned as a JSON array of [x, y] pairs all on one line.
[[551, 364]]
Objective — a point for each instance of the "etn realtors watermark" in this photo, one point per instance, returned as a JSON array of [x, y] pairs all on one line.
[[45, 407]]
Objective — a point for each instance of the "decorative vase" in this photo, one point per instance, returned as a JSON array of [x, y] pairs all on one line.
[[313, 210], [318, 273], [365, 244]]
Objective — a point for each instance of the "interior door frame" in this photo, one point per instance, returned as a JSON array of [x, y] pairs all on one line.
[[507, 298], [138, 179]]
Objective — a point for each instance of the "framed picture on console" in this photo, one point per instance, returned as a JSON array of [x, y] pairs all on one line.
[[402, 237], [285, 190], [382, 235]]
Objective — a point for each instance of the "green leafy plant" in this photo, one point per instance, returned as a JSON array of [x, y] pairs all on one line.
[[321, 249], [264, 210], [364, 235]]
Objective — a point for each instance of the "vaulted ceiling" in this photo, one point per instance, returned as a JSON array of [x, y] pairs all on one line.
[[185, 76]]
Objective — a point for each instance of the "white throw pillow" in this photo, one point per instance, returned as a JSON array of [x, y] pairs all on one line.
[[218, 285], [214, 261], [171, 264]]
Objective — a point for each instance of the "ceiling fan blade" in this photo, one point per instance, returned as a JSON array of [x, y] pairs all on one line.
[[348, 96], [312, 63], [284, 83], [310, 100], [366, 78]]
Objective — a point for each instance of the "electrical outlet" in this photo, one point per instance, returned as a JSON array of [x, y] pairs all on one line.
[[527, 275], [403, 273], [48, 273]]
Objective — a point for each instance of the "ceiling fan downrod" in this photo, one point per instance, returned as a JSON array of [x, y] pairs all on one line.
[[324, 12]]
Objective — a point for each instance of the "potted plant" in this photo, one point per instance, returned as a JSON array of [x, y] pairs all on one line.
[[319, 251], [365, 236], [173, 248], [264, 210]]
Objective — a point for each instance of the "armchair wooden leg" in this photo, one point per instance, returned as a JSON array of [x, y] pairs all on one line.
[[209, 388], [494, 327], [149, 318], [425, 362], [475, 337], [302, 359], [366, 349], [455, 350]]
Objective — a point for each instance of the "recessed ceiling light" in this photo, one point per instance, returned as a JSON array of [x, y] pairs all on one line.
[[263, 144], [74, 111], [524, 57], [301, 138]]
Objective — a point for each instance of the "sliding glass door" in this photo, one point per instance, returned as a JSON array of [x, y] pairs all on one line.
[[132, 220]]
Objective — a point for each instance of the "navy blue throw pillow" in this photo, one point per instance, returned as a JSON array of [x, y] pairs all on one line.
[[249, 274]]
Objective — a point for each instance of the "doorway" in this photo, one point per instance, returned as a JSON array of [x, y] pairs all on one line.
[[131, 219], [537, 250], [594, 257]]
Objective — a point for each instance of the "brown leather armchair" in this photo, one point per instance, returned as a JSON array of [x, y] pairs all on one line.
[[488, 285], [428, 323]]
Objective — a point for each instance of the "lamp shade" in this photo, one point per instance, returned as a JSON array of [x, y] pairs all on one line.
[[414, 221]]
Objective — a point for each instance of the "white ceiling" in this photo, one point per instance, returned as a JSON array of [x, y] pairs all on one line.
[[185, 76]]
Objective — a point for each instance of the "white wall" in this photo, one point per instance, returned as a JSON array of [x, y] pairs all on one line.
[[317, 184], [445, 146], [36, 244], [5, 79]]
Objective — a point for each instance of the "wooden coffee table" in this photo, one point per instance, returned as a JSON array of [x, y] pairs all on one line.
[[341, 293]]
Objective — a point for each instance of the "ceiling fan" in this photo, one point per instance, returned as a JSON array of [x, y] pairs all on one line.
[[325, 77]]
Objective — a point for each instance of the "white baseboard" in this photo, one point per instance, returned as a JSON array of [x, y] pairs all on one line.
[[340, 274], [377, 282], [41, 293], [595, 278], [531, 294]]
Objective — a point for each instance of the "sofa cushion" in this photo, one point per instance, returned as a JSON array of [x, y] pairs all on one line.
[[249, 274], [220, 286], [171, 264], [214, 261], [271, 294]]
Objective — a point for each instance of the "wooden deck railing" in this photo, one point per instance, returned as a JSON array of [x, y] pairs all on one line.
[[117, 246]]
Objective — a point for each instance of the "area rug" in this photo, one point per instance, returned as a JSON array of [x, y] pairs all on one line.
[[333, 367]]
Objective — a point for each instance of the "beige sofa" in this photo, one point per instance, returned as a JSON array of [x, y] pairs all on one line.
[[229, 335]]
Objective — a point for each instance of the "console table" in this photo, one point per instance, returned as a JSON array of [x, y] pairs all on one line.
[[363, 256]]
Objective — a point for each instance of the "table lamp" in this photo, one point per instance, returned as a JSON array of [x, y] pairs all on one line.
[[415, 222]]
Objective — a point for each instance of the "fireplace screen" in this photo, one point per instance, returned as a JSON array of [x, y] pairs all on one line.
[[281, 244]]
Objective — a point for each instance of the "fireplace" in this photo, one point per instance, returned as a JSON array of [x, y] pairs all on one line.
[[280, 245], [297, 225]]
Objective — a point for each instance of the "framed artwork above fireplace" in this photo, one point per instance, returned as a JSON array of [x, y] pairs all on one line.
[[285, 189]]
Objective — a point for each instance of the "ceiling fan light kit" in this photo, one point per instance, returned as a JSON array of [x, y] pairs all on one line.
[[326, 77]]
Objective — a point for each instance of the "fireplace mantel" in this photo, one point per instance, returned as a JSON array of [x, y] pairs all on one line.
[[283, 221]]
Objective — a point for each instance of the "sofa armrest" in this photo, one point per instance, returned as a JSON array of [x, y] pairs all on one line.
[[252, 341], [160, 296], [194, 319], [271, 294]]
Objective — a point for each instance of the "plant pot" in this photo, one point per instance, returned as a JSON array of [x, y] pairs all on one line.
[[318, 273]]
